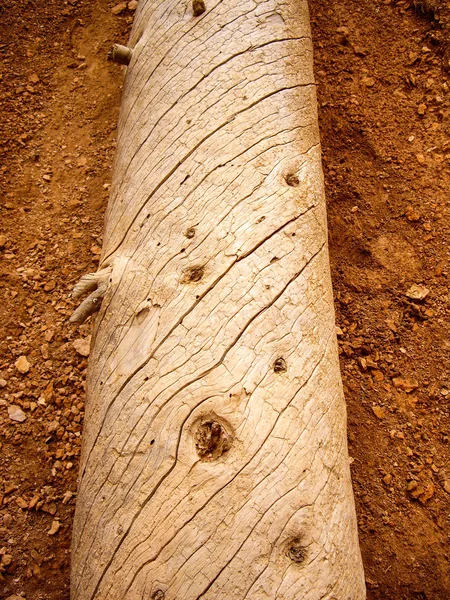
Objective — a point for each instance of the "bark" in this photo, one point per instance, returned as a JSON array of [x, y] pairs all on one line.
[[215, 460]]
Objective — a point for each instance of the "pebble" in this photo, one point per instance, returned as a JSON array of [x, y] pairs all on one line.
[[2, 241], [132, 5], [417, 292], [54, 528], [405, 384], [22, 365], [48, 335], [83, 345], [379, 412], [15, 413], [21, 503], [3, 383], [422, 109], [67, 497], [50, 285], [7, 560], [368, 81], [119, 8]]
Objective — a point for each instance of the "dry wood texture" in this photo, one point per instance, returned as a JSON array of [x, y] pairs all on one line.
[[215, 460]]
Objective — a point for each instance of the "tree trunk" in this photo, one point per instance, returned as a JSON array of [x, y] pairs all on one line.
[[215, 460]]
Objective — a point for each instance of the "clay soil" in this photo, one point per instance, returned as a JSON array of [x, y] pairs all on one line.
[[384, 98]]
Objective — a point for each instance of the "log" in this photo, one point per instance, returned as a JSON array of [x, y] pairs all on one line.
[[214, 460]]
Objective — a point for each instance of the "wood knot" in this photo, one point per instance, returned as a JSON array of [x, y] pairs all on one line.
[[198, 7], [193, 274], [158, 595], [211, 440], [190, 233], [279, 366], [296, 551], [292, 180]]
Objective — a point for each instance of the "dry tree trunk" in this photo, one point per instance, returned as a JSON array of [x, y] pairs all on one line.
[[215, 460]]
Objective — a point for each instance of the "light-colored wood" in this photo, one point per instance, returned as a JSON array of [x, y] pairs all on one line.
[[215, 460]]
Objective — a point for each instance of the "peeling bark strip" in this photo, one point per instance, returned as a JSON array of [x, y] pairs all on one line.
[[215, 460]]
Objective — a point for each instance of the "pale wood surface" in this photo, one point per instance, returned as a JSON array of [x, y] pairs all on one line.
[[219, 269]]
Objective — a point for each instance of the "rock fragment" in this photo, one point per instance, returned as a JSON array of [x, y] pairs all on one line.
[[119, 8], [15, 413], [82, 345], [417, 292], [22, 365], [54, 528]]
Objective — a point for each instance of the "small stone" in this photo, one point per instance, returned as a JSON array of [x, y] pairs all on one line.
[[21, 502], [420, 158], [67, 497], [32, 503], [391, 324], [15, 413], [132, 5], [49, 286], [3, 383], [83, 345], [405, 384], [417, 292], [54, 528], [422, 109], [22, 365], [50, 508], [52, 426], [2, 241], [368, 81], [48, 335], [377, 375], [8, 520], [96, 250], [362, 363], [412, 214], [379, 412], [47, 177], [412, 485], [446, 486], [343, 29], [387, 479], [7, 560], [427, 493], [119, 8]]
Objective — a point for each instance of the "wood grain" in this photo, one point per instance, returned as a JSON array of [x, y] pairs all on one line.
[[215, 459]]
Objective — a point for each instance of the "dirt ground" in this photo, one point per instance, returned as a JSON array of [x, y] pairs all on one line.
[[383, 80]]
